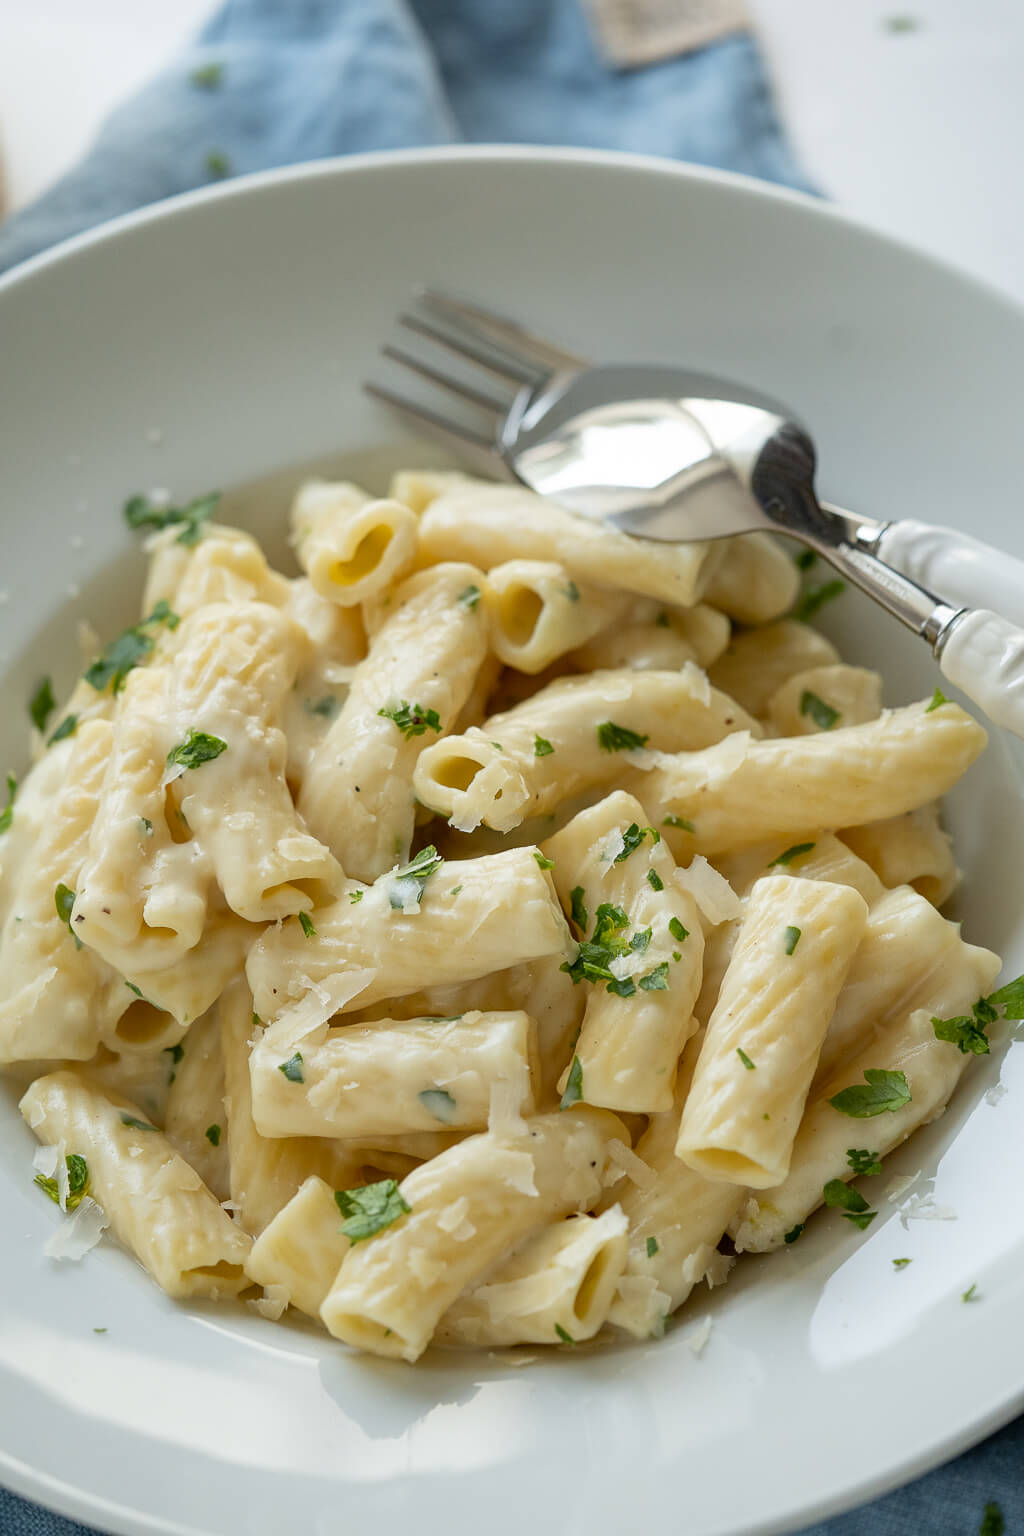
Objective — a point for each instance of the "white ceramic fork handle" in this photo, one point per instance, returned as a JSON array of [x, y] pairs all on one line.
[[964, 570], [984, 656]]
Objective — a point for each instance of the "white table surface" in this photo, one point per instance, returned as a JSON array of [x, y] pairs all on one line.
[[919, 131]]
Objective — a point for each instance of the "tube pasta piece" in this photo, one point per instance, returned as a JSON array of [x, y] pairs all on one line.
[[186, 990], [932, 1069], [754, 581], [418, 674], [906, 949], [195, 1121], [265, 1173], [912, 849], [505, 771], [795, 945], [757, 662], [392, 1290], [226, 566], [351, 546], [629, 1044], [821, 698], [503, 912], [336, 642], [59, 996], [676, 1221], [158, 1206], [657, 638], [389, 1077], [31, 814], [538, 612], [417, 488], [734, 796], [556, 1288], [490, 524], [302, 1248]]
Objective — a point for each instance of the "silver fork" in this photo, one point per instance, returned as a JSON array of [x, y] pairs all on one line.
[[673, 455]]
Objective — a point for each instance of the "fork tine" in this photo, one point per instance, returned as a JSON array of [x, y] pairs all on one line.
[[474, 446], [520, 344], [446, 381], [492, 361]]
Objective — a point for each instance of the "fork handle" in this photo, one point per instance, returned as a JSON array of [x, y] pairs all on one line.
[[964, 569]]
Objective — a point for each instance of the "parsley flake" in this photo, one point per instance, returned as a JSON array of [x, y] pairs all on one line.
[[197, 748], [325, 707], [595, 955], [409, 881], [469, 597], [7, 814], [572, 592], [412, 719], [863, 1161], [631, 840], [139, 512], [1010, 999], [967, 1034], [578, 907], [78, 1182], [355, 896], [882, 1092], [793, 1233], [439, 1103], [212, 1134], [656, 980], [64, 901], [306, 924], [129, 650], [655, 881], [574, 1085], [566, 1338], [813, 600], [369, 1209], [992, 1521], [42, 704], [900, 1263], [680, 822], [792, 939], [542, 747], [207, 77], [750, 1066], [937, 701], [850, 1201], [617, 738], [134, 1124], [640, 942], [292, 1068], [676, 929], [543, 862], [67, 727], [805, 559], [815, 708], [797, 851], [217, 164], [971, 1293], [652, 1247]]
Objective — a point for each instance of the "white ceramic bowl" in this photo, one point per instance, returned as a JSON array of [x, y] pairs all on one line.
[[221, 337]]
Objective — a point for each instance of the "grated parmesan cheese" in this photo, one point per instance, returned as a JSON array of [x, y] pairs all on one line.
[[698, 1337], [274, 1302], [900, 1185], [995, 1093], [923, 1208], [627, 1162], [644, 1303], [455, 1220], [711, 891], [44, 1161], [504, 1117], [516, 1169], [78, 1232], [697, 681]]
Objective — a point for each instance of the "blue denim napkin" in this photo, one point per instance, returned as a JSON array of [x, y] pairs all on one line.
[[270, 82]]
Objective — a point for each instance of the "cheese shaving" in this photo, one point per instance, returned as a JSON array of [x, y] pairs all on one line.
[[427, 1271], [455, 1220], [504, 1117], [44, 1161], [698, 1337], [995, 1093], [635, 1169], [78, 1232], [715, 897], [696, 679], [924, 1208], [274, 1302], [900, 1185], [515, 1169], [645, 1305]]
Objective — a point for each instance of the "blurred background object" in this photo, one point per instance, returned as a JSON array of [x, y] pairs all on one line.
[[904, 112]]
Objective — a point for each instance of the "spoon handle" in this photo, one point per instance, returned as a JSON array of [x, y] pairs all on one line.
[[984, 656], [963, 568]]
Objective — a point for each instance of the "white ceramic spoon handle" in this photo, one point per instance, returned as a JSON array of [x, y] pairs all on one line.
[[964, 570], [984, 656]]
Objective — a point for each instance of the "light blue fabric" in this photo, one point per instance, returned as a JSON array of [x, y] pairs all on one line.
[[303, 79]]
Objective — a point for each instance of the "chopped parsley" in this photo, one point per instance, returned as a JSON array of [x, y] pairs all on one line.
[[745, 1059], [7, 814], [542, 747], [863, 1161], [971, 1293], [455, 890], [129, 650], [900, 1263], [257, 1022], [578, 907], [566, 1338], [355, 896], [850, 1201], [680, 822], [134, 1124], [632, 838], [412, 719], [78, 1182], [938, 699], [792, 939], [324, 707], [656, 980], [661, 622], [544, 863], [796, 852], [813, 600], [439, 1103], [881, 1092], [292, 1068], [469, 597], [217, 164], [212, 1134], [968, 1033], [640, 942], [370, 1209], [676, 929], [655, 881], [992, 1521], [793, 1233], [574, 1085], [805, 559], [146, 825], [1010, 999], [596, 954], [409, 881], [617, 738], [207, 77], [42, 704], [572, 592], [652, 1247], [197, 748], [67, 727], [306, 924], [815, 708], [139, 512], [64, 901]]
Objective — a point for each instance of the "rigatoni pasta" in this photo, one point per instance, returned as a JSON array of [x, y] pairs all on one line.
[[455, 940]]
